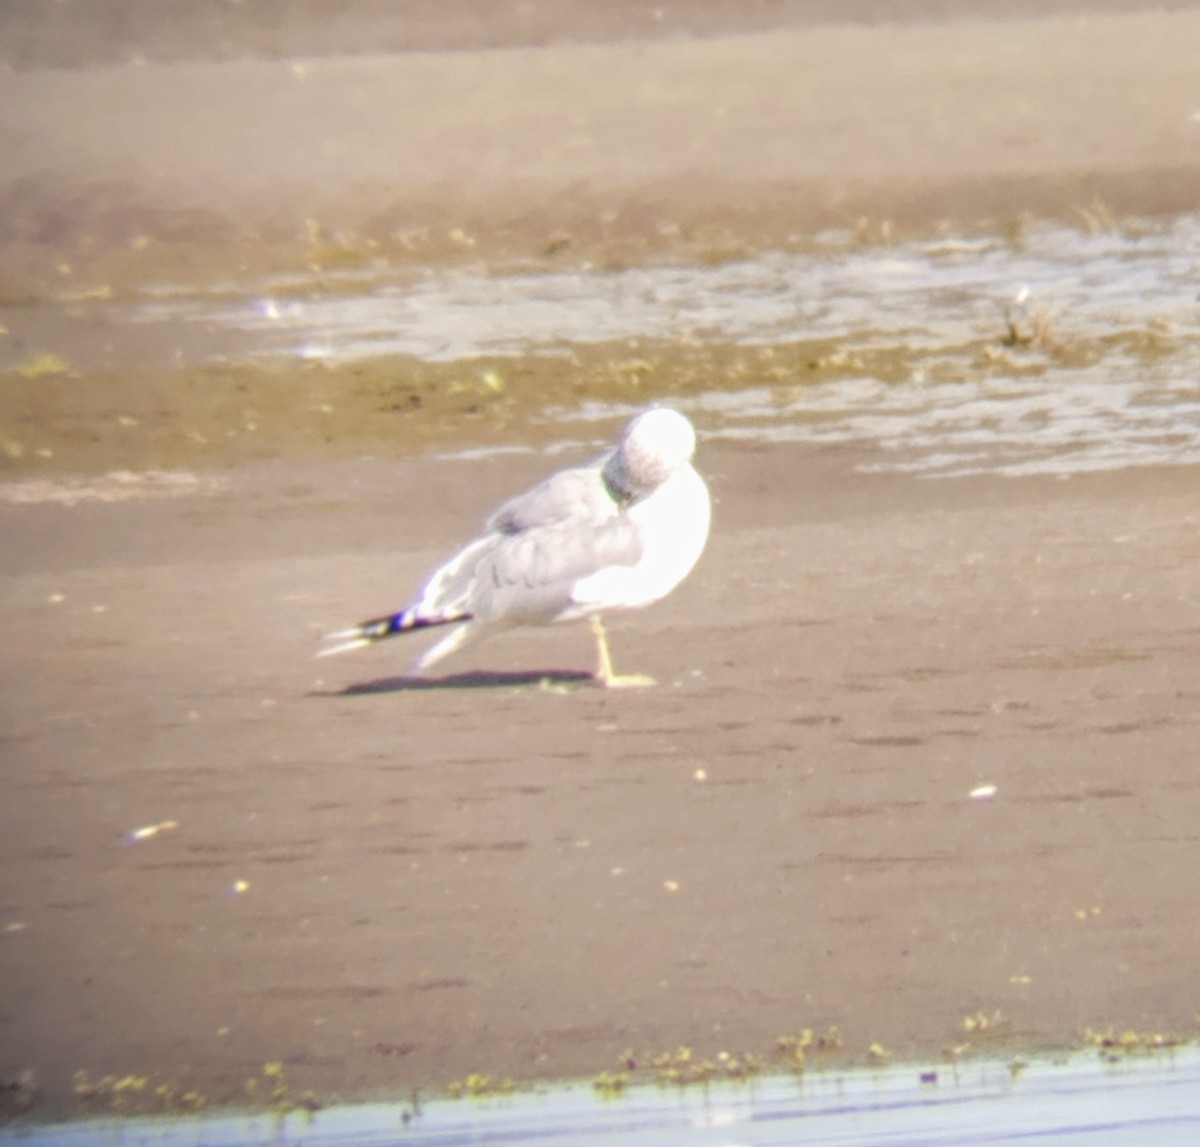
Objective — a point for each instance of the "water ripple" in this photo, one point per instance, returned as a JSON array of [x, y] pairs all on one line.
[[930, 298]]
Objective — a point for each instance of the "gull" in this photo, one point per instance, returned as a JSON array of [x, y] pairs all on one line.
[[619, 533]]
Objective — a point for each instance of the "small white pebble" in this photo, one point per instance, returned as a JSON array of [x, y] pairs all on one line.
[[982, 793], [147, 831]]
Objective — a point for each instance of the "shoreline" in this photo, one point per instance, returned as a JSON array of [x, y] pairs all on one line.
[[675, 1076]]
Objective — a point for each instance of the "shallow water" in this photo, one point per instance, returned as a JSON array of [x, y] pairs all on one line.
[[1056, 351], [1155, 1100], [1136, 403], [930, 293]]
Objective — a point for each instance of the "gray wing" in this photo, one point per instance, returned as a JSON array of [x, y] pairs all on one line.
[[564, 552], [577, 495], [539, 545], [531, 576]]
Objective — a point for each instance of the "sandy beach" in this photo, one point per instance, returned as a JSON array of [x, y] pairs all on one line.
[[386, 885], [488, 875]]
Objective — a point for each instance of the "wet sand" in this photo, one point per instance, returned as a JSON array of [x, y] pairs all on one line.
[[489, 875], [509, 871]]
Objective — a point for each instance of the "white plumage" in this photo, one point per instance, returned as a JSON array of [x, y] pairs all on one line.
[[617, 534]]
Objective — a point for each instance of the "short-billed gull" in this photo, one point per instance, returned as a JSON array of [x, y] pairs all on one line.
[[619, 533]]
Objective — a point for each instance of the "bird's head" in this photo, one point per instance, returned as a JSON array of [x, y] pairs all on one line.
[[654, 446]]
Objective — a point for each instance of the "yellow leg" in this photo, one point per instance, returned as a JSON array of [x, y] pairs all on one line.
[[605, 677]]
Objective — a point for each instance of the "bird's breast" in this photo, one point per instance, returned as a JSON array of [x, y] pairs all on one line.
[[673, 524]]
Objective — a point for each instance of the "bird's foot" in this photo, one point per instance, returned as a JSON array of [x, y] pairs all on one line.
[[623, 680], [604, 675]]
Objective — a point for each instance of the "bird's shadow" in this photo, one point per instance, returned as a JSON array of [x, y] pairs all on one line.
[[543, 679]]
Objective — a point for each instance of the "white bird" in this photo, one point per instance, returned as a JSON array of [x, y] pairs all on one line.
[[619, 533]]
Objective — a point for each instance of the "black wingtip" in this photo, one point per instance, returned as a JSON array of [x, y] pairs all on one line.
[[406, 622], [380, 628]]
